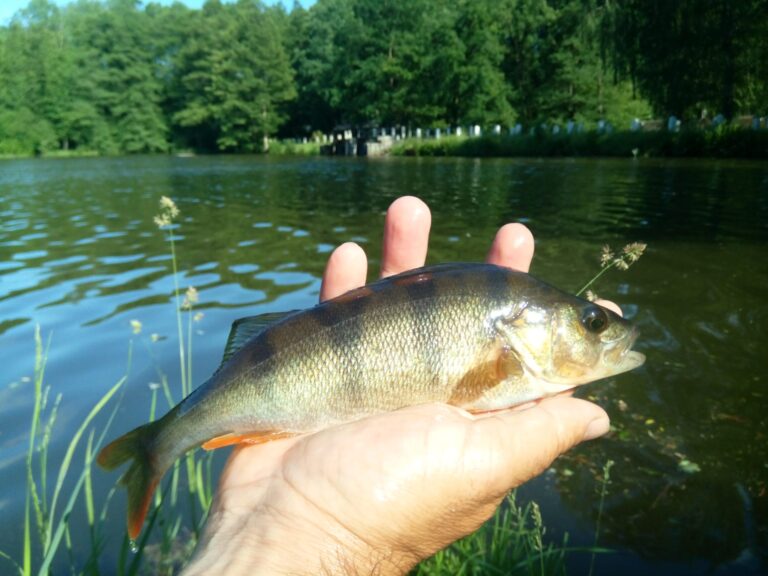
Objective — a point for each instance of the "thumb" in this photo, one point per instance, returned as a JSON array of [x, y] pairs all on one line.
[[526, 442]]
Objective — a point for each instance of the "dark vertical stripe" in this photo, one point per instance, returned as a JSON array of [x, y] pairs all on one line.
[[261, 348]]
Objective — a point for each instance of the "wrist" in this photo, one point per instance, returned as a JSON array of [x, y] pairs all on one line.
[[286, 538]]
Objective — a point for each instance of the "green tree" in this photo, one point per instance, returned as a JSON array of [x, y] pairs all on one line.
[[482, 94], [693, 55], [379, 64], [526, 64], [34, 69], [114, 49], [236, 77], [314, 51]]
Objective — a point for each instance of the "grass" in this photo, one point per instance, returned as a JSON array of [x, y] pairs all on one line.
[[288, 147], [724, 142], [76, 153], [47, 514], [511, 542], [46, 528]]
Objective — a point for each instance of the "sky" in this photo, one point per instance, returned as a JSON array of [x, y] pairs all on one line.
[[9, 7]]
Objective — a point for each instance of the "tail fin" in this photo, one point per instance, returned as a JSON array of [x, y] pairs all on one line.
[[142, 477]]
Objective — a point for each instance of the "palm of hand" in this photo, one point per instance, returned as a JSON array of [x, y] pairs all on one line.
[[394, 488]]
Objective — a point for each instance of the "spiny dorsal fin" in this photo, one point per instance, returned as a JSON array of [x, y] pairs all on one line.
[[246, 328]]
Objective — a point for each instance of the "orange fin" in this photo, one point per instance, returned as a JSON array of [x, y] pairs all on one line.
[[138, 513], [248, 438], [142, 475]]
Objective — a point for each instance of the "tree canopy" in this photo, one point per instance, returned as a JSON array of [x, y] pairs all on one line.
[[121, 76]]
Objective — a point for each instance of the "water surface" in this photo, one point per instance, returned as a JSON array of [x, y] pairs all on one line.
[[81, 257]]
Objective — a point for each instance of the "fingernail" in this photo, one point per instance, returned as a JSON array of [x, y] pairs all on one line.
[[597, 428]]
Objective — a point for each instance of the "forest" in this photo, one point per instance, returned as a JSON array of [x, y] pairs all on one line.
[[124, 77]]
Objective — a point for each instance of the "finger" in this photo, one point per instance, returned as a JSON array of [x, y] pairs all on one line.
[[406, 236], [527, 442], [347, 268], [512, 247], [610, 305]]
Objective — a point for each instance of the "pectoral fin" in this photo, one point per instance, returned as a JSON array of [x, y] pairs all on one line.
[[499, 366], [250, 438]]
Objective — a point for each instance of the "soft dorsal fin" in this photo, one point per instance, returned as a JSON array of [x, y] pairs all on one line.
[[246, 328]]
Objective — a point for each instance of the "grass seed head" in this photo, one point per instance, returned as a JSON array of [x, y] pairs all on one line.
[[190, 298], [168, 211]]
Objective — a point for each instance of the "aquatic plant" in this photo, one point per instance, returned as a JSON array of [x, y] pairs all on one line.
[[45, 527], [603, 492], [622, 261]]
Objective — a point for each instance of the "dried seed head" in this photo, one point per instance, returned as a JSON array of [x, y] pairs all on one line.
[[168, 206], [633, 251], [190, 298], [168, 211], [606, 256]]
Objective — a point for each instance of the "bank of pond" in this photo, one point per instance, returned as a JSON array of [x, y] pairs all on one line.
[[724, 142]]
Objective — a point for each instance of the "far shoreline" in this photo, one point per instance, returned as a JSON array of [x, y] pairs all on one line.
[[728, 143]]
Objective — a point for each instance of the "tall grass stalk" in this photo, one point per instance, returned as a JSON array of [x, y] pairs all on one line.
[[198, 493], [603, 491], [622, 261], [165, 220]]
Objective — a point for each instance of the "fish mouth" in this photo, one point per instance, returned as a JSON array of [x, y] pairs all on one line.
[[621, 358]]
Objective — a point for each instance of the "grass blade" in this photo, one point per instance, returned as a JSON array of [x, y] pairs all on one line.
[[64, 468], [5, 556], [89, 509], [27, 571]]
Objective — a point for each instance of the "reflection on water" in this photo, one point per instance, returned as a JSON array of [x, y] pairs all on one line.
[[81, 257]]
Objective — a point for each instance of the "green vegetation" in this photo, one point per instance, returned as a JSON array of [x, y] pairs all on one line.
[[723, 142], [116, 76], [46, 528], [512, 542], [288, 147], [166, 541]]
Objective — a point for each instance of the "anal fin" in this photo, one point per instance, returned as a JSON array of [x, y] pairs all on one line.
[[248, 438]]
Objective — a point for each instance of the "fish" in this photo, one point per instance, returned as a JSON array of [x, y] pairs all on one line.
[[477, 336]]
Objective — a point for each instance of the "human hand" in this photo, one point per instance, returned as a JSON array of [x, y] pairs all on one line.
[[380, 494]]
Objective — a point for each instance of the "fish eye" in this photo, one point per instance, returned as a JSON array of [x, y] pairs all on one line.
[[594, 319]]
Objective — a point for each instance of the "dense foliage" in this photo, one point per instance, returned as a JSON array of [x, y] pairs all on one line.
[[118, 76]]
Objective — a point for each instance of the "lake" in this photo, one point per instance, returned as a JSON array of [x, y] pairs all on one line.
[[81, 257]]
